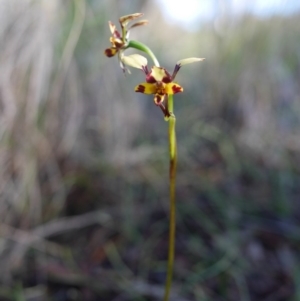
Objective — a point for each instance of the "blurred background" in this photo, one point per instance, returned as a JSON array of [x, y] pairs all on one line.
[[84, 159]]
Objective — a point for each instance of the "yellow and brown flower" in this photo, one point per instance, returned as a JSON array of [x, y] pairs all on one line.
[[161, 83]]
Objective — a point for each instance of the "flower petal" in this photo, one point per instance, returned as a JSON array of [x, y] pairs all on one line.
[[116, 42], [135, 60], [189, 61], [113, 30], [109, 52], [159, 98], [158, 74], [173, 88], [146, 88], [125, 19], [140, 23]]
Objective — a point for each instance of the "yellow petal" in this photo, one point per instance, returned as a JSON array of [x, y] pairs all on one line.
[[189, 61], [173, 88], [146, 88], [134, 60]]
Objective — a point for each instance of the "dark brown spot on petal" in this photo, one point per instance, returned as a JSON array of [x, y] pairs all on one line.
[[177, 89], [140, 88], [167, 79], [158, 99], [116, 34], [150, 79], [110, 52], [118, 43]]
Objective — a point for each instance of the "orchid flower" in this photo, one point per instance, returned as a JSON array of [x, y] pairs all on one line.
[[119, 41], [161, 83]]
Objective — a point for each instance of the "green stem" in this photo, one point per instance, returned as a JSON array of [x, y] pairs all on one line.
[[172, 222], [142, 47]]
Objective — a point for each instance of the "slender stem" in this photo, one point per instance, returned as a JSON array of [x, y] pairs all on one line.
[[142, 47], [172, 222]]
